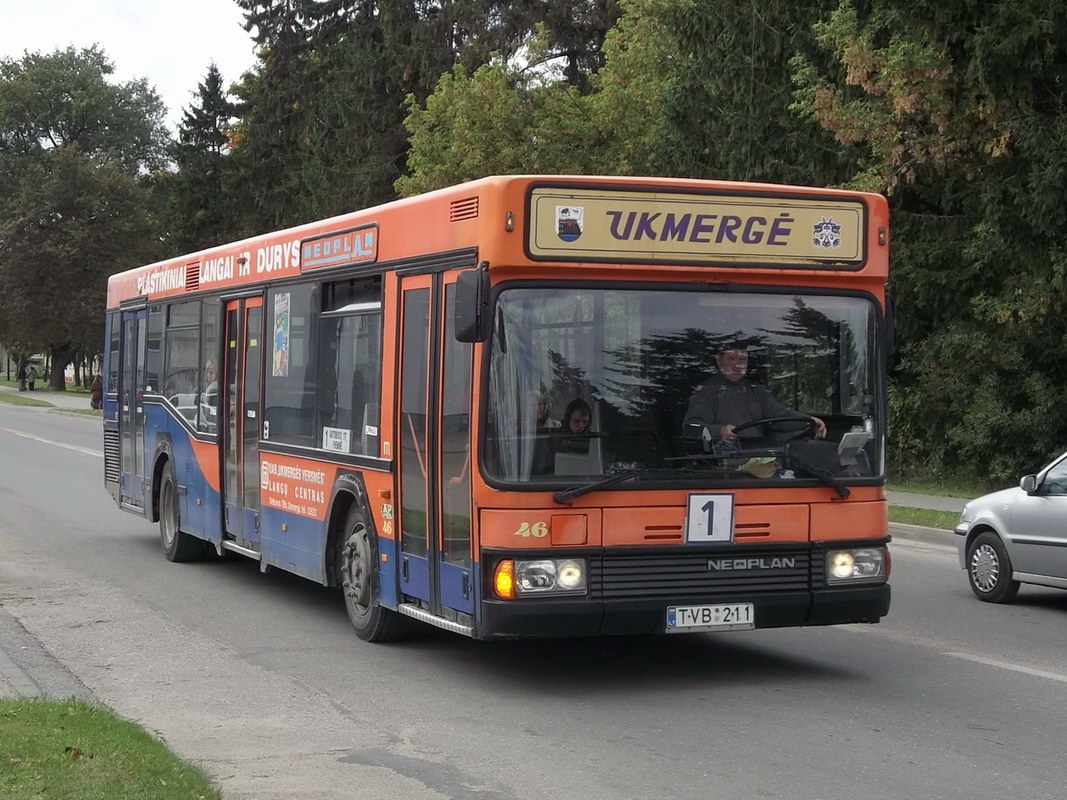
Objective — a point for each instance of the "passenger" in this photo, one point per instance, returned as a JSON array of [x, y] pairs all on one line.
[[575, 433], [730, 399], [577, 417]]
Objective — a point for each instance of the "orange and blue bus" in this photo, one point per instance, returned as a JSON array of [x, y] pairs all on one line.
[[479, 408]]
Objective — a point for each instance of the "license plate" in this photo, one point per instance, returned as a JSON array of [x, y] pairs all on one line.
[[733, 617]]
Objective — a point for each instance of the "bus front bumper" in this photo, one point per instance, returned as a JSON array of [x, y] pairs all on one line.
[[546, 617]]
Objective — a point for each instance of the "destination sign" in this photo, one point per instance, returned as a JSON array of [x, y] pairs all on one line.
[[676, 228], [354, 246]]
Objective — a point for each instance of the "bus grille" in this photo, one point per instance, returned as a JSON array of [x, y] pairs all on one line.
[[675, 574], [111, 456]]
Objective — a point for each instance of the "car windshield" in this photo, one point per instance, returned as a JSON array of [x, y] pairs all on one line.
[[587, 382]]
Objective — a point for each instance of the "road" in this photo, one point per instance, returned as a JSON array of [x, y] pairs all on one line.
[[259, 679]]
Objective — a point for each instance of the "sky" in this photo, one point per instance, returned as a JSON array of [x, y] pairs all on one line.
[[168, 42]]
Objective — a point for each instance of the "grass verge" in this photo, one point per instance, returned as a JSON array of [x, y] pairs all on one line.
[[85, 412], [70, 750], [21, 400], [947, 488], [924, 517]]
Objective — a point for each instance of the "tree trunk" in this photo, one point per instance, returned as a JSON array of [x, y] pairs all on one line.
[[61, 356]]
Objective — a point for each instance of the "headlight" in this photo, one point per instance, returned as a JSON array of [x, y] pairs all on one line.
[[855, 566], [543, 576]]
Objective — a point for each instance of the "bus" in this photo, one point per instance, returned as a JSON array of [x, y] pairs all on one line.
[[486, 408]]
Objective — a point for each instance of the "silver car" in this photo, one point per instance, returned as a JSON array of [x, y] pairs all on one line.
[[1017, 536]]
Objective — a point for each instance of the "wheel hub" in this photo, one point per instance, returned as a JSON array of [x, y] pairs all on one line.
[[356, 568], [985, 568]]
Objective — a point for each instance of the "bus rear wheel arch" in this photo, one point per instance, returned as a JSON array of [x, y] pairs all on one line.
[[357, 575]]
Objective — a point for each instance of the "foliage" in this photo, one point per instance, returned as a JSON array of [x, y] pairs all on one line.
[[202, 205], [500, 120], [73, 150], [687, 88], [959, 111], [67, 226]]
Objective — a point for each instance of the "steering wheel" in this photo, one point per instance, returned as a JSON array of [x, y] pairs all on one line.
[[807, 429]]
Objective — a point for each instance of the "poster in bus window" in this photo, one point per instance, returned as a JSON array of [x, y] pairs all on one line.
[[569, 222], [281, 335]]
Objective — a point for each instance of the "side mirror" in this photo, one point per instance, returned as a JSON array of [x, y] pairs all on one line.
[[471, 303], [1028, 484]]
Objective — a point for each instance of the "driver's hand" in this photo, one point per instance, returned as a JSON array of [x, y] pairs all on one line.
[[820, 428], [726, 433]]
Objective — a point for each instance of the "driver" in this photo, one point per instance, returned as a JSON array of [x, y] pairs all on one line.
[[727, 400]]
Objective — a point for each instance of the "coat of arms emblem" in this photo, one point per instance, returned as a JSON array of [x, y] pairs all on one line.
[[826, 233]]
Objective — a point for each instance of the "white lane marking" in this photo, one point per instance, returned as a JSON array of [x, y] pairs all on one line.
[[989, 662], [64, 445]]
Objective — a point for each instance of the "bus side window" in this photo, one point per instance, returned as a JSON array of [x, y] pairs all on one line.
[[349, 361]]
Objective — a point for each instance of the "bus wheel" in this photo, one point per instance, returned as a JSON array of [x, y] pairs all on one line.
[[358, 568], [177, 546]]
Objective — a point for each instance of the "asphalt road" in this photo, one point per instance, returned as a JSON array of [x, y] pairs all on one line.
[[258, 677]]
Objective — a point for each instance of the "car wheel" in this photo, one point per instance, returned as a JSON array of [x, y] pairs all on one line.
[[177, 545], [357, 567], [989, 569]]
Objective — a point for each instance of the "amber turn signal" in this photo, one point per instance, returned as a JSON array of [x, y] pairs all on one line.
[[504, 580]]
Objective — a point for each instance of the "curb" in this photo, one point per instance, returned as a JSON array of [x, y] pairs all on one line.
[[27, 669], [920, 533]]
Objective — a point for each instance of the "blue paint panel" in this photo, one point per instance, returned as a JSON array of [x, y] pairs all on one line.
[[387, 573], [298, 549], [452, 594], [202, 520], [248, 526], [418, 580]]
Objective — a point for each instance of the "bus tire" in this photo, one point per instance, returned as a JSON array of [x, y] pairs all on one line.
[[357, 568], [177, 545]]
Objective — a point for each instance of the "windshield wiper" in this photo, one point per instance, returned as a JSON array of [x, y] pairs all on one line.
[[824, 476], [566, 495]]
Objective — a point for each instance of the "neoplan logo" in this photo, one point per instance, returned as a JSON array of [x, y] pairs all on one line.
[[735, 564]]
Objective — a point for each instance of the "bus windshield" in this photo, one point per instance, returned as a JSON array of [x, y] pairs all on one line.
[[588, 382]]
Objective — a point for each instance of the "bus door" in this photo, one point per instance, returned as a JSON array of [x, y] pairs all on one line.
[[131, 407], [436, 564], [240, 422]]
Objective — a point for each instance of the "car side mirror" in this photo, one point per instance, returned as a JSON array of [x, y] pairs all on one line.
[[1028, 484]]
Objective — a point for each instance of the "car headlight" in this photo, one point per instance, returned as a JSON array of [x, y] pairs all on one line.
[[542, 576], [855, 565]]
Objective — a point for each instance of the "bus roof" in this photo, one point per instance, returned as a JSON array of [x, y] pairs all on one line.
[[520, 219]]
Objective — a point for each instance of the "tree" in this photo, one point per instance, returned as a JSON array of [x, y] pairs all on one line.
[[686, 88], [203, 206], [73, 150], [960, 111]]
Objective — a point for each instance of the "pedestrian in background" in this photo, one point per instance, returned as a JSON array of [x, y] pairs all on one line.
[[21, 376], [31, 376], [96, 393]]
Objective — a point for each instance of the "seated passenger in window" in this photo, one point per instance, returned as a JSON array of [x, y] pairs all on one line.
[[575, 430]]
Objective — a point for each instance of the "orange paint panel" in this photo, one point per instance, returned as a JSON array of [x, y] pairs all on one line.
[[207, 458], [535, 528], [568, 529], [427, 224], [666, 524], [771, 523], [380, 493], [849, 520], [296, 485], [654, 525]]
